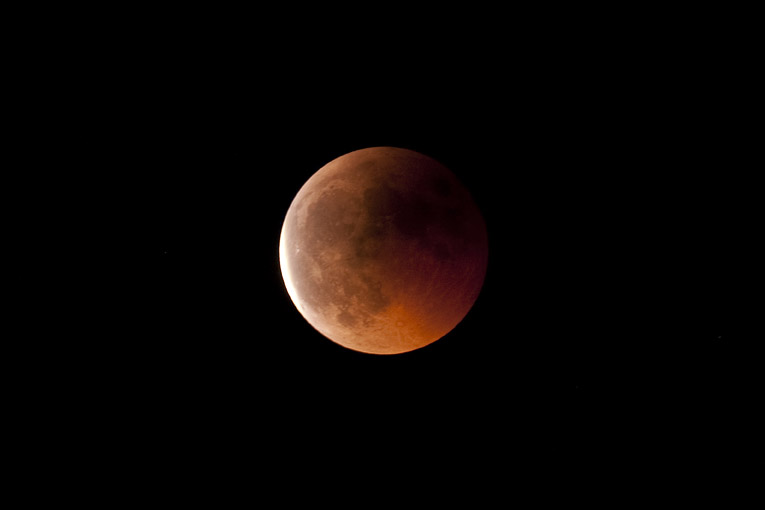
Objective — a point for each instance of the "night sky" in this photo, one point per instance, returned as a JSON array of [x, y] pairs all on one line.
[[618, 201]]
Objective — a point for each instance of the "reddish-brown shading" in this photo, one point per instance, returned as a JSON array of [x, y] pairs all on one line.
[[383, 250]]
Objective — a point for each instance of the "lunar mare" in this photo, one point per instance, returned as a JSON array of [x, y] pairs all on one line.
[[383, 250]]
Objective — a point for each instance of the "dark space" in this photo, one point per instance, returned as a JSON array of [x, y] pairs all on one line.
[[619, 202]]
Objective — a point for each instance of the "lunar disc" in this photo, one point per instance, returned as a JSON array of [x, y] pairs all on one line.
[[383, 250]]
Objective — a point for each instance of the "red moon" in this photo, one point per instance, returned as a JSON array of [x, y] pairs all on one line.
[[383, 250]]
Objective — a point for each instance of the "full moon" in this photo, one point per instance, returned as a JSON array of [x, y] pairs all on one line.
[[383, 250]]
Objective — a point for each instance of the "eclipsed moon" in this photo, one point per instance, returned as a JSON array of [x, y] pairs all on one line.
[[383, 250]]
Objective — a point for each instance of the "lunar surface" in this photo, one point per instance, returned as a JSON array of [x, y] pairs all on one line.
[[383, 250]]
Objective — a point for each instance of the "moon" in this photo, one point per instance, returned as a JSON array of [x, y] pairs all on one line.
[[383, 250]]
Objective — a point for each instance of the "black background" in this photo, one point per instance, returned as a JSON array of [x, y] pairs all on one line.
[[610, 162]]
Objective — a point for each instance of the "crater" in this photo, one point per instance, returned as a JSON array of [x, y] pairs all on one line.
[[346, 319]]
